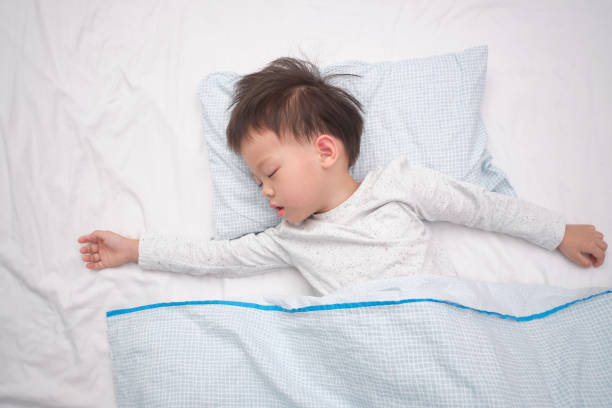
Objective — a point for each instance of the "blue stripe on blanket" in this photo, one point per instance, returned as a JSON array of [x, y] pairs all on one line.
[[346, 306]]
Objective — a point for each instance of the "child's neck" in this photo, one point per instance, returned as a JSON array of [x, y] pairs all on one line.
[[341, 188]]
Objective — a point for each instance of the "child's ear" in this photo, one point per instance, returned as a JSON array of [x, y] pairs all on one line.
[[327, 150]]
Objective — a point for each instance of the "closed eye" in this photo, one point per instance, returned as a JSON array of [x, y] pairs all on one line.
[[259, 184]]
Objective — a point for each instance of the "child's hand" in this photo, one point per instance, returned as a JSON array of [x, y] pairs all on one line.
[[581, 240], [108, 249]]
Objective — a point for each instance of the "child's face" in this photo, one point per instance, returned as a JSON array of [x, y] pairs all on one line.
[[288, 172]]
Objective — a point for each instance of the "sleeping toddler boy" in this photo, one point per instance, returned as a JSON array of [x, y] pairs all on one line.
[[299, 135]]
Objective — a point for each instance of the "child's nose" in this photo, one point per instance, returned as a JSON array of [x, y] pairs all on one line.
[[267, 191]]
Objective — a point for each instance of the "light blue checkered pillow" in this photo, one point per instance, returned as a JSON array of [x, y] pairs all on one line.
[[425, 109]]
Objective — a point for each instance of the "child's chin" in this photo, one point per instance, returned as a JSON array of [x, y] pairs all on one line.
[[294, 221]]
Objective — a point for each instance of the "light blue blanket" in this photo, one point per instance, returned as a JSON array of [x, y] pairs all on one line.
[[410, 341]]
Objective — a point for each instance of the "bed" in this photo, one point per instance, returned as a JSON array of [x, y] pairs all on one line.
[[101, 128]]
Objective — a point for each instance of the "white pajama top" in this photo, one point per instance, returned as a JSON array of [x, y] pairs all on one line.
[[378, 232]]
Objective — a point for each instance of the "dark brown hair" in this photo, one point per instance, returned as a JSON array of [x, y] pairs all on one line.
[[289, 96]]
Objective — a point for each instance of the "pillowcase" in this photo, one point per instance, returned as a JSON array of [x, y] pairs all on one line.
[[426, 109]]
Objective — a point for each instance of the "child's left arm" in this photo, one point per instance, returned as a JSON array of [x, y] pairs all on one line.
[[581, 240], [438, 197]]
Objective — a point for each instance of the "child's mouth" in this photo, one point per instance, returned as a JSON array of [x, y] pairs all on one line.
[[280, 210]]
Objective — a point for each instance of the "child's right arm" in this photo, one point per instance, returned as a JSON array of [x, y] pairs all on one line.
[[244, 256]]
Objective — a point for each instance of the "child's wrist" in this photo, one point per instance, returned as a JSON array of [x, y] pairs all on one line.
[[134, 250]]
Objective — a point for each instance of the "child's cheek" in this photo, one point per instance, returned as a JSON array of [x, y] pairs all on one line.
[[299, 196]]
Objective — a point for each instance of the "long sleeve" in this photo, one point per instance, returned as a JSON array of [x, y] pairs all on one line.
[[248, 255], [437, 197]]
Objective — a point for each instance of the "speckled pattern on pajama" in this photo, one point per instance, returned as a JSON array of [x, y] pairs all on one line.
[[380, 231]]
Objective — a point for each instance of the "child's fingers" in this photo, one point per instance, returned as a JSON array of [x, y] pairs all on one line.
[[602, 244], [598, 251], [93, 237], [91, 258], [597, 254], [95, 265], [584, 259], [87, 238], [596, 262], [89, 249]]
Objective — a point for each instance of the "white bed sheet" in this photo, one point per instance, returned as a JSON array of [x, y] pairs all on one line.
[[101, 129]]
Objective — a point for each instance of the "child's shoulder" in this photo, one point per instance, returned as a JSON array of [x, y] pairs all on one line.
[[399, 164], [403, 172], [388, 173], [399, 160]]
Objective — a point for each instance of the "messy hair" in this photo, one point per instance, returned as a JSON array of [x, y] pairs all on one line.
[[291, 97]]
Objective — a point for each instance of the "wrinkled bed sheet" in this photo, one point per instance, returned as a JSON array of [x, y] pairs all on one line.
[[101, 129]]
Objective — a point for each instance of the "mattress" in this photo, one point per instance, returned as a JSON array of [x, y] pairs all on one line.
[[101, 129]]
